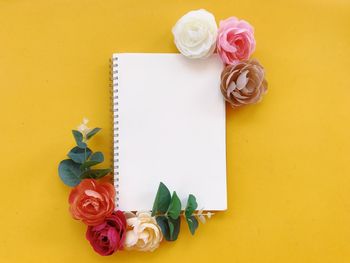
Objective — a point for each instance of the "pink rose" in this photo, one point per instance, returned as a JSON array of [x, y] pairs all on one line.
[[91, 201], [109, 236], [235, 40]]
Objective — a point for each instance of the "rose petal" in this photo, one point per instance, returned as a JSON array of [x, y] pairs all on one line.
[[242, 80], [231, 88]]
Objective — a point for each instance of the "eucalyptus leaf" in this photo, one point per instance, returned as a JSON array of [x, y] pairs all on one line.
[[162, 200], [88, 164], [82, 145], [79, 155], [162, 221], [174, 227], [92, 133], [69, 172], [174, 209], [191, 205], [192, 223], [95, 173], [97, 157], [78, 136], [170, 228]]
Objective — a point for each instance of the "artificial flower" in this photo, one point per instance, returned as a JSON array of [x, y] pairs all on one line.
[[108, 237], [91, 201], [195, 34], [83, 128], [202, 215], [143, 232], [235, 41], [243, 83]]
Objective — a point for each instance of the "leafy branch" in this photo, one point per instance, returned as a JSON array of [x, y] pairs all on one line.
[[167, 210], [82, 159]]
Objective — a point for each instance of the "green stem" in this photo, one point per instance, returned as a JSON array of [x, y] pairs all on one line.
[[183, 214]]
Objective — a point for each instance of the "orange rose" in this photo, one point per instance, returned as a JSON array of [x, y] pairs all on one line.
[[91, 201]]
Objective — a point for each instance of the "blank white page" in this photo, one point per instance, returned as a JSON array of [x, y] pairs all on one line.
[[169, 121]]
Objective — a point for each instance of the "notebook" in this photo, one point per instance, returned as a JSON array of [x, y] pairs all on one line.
[[169, 126]]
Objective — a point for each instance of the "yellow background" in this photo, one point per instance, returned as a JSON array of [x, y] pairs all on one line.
[[288, 157]]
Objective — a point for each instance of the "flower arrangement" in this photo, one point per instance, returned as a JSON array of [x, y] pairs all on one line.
[[92, 201], [92, 198], [197, 36]]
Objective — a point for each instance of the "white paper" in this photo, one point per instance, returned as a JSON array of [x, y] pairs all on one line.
[[171, 129]]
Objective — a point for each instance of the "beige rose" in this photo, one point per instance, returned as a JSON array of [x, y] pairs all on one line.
[[143, 232], [243, 83]]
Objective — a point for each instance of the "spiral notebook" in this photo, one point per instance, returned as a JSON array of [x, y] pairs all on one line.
[[169, 126]]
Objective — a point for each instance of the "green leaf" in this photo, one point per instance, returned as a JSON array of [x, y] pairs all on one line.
[[95, 173], [69, 172], [88, 164], [174, 209], [78, 136], [162, 200], [95, 158], [79, 155], [169, 227], [162, 221], [92, 133], [192, 224], [191, 205], [174, 227]]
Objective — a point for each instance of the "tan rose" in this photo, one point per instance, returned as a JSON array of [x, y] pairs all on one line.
[[143, 232], [243, 83]]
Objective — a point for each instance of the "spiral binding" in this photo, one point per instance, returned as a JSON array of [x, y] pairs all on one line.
[[115, 103]]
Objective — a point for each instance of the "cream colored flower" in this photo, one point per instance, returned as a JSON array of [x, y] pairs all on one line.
[[83, 128], [143, 232], [195, 34], [202, 215]]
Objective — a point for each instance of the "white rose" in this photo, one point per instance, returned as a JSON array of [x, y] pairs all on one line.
[[143, 232], [195, 34]]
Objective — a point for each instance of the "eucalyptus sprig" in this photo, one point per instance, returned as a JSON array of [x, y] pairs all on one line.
[[167, 210], [82, 159]]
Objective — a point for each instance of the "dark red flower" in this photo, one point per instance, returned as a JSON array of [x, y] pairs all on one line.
[[109, 236]]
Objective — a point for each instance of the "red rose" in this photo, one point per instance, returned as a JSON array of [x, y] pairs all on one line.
[[91, 201], [109, 236]]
